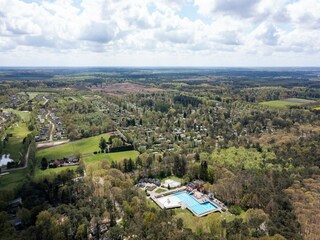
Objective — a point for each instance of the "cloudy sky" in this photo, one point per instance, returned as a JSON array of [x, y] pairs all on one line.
[[160, 33]]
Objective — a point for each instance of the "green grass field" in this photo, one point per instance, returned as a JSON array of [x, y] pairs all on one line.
[[51, 172], [286, 102], [14, 146], [32, 95], [83, 146], [12, 180], [195, 223], [116, 156], [93, 160], [24, 115], [160, 190]]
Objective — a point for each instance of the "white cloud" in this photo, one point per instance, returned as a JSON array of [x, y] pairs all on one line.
[[146, 28], [99, 32], [305, 13], [243, 8]]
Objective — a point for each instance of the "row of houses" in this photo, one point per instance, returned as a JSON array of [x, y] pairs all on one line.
[[15, 101], [72, 161]]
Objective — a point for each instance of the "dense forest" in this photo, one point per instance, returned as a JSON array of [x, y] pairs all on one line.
[[252, 137]]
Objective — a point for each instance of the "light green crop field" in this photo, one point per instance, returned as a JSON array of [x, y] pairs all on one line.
[[14, 146], [12, 180], [286, 102], [83, 146]]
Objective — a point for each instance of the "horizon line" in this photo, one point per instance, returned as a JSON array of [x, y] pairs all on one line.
[[160, 66]]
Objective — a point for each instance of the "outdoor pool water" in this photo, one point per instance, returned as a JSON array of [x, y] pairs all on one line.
[[193, 204]]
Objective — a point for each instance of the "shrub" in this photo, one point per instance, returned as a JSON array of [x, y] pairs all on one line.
[[235, 209]]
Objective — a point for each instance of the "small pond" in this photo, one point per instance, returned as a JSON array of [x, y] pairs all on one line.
[[5, 158]]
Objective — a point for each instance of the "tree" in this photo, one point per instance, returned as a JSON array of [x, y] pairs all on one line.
[[81, 232], [237, 229], [197, 156], [102, 144], [25, 216], [204, 170], [44, 163], [179, 223], [256, 217], [44, 224], [116, 142], [179, 167], [130, 165]]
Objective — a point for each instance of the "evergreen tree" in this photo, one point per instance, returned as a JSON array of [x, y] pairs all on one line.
[[44, 163], [102, 144], [204, 170]]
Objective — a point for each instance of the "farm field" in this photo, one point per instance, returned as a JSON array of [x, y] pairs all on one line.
[[286, 102], [83, 146], [14, 146]]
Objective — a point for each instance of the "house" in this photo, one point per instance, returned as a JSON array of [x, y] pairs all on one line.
[[17, 224], [14, 206]]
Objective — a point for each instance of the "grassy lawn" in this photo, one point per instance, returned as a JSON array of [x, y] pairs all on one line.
[[160, 190], [14, 146], [286, 102], [25, 115], [51, 172], [116, 156], [84, 146], [12, 180], [194, 223], [152, 204]]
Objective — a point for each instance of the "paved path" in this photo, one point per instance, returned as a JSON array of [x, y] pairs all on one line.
[[52, 126]]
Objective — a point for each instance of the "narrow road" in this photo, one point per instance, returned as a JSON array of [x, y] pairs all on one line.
[[52, 126], [44, 97]]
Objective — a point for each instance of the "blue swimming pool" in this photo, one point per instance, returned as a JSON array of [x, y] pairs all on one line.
[[194, 205]]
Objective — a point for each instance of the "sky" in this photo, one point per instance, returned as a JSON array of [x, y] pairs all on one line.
[[231, 33]]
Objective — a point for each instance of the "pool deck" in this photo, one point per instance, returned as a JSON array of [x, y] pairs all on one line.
[[158, 197]]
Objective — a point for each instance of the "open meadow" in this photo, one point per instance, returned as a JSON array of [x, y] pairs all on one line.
[[24, 115], [93, 160], [83, 146], [14, 146], [286, 102], [12, 180], [116, 156]]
